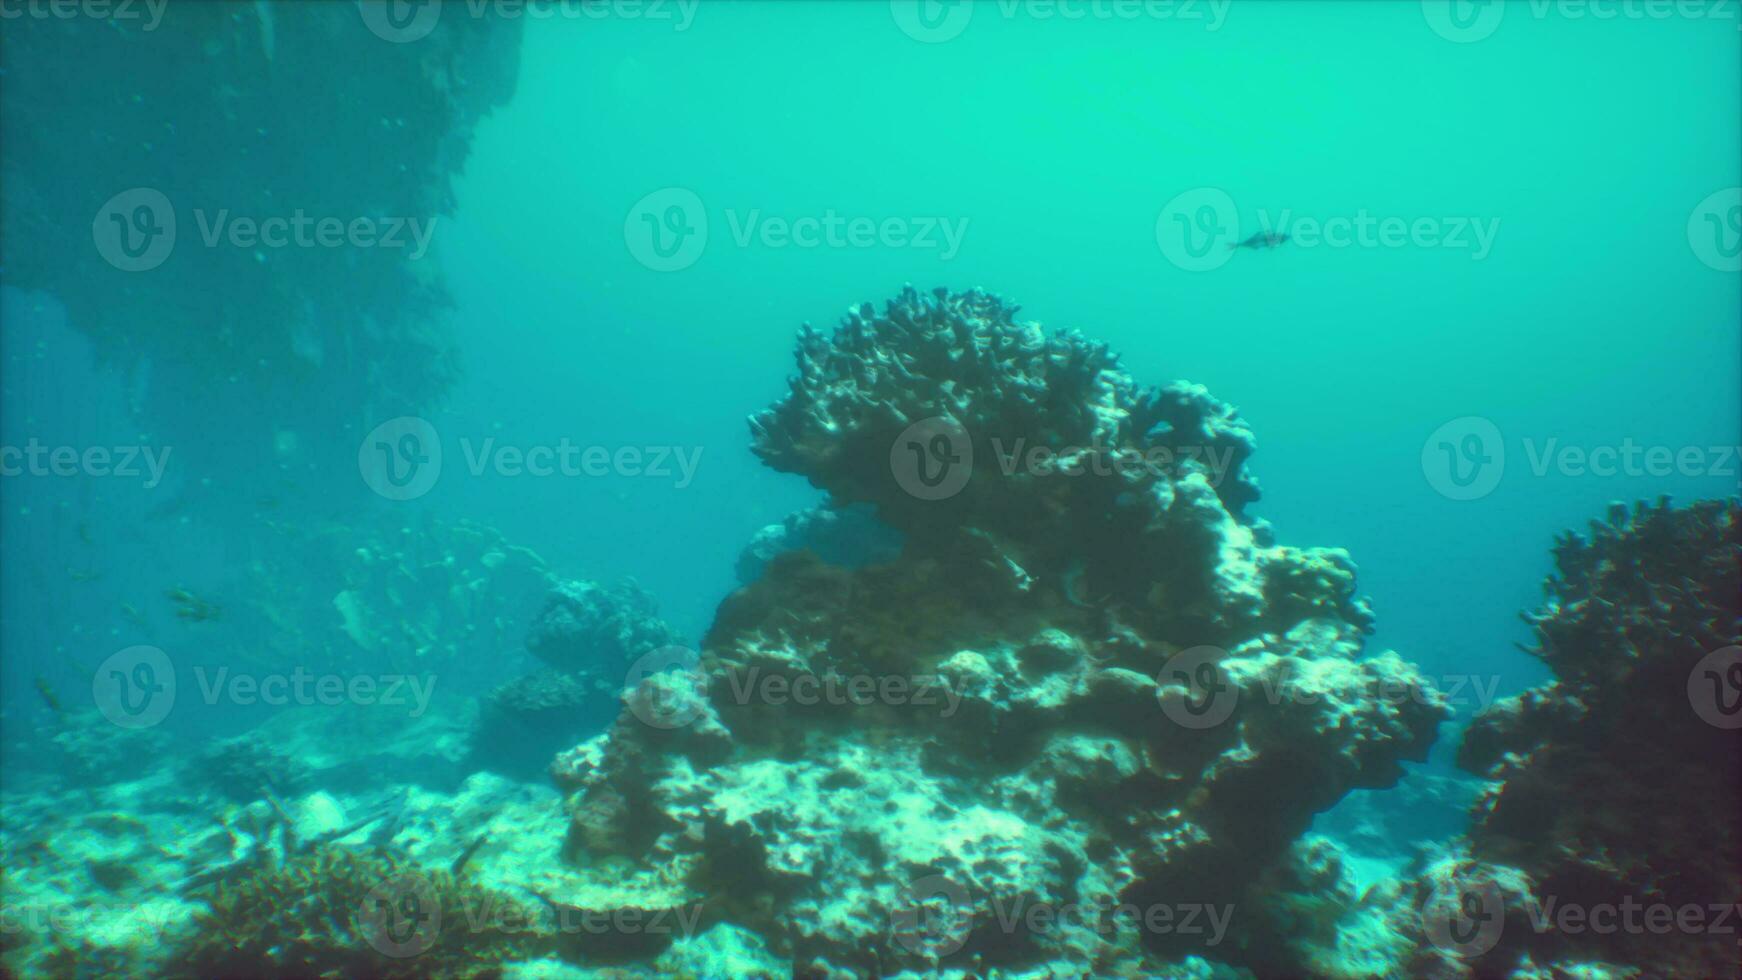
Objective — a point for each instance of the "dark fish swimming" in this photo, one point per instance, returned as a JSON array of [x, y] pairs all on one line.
[[1261, 240]]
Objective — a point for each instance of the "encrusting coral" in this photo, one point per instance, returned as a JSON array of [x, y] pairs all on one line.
[[1088, 705]]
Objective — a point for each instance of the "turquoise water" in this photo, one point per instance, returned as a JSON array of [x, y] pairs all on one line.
[[1508, 296], [1583, 145]]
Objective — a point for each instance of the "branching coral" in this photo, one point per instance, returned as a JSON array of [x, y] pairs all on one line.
[[336, 912]]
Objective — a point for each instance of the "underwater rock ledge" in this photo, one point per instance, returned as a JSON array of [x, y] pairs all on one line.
[[1068, 693]]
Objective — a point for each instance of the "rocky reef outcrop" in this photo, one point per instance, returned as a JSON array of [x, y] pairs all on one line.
[[588, 634], [1081, 714], [1611, 837]]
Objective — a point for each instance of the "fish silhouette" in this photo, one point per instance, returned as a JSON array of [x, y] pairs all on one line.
[[1261, 240]]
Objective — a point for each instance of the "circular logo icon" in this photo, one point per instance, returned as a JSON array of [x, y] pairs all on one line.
[[1195, 691], [666, 702], [400, 21], [135, 687], [667, 230], [1465, 458], [401, 916], [1715, 230], [135, 230], [932, 459], [401, 458], [1463, 21], [932, 917], [1464, 918], [931, 21], [1715, 688], [1197, 229]]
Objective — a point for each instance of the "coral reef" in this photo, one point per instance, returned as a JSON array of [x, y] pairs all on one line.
[[447, 599], [1086, 708], [1611, 838]]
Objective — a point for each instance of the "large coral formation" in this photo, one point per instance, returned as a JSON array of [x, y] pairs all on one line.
[[1618, 785], [1022, 711]]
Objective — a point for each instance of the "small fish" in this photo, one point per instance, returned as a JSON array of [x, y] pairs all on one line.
[[191, 607], [466, 855], [48, 696], [1261, 240]]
